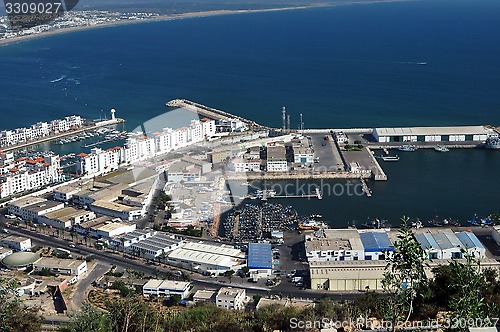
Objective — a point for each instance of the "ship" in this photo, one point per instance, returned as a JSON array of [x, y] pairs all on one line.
[[407, 148], [492, 143], [440, 148], [390, 158]]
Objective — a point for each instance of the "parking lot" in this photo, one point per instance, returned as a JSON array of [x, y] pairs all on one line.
[[329, 157]]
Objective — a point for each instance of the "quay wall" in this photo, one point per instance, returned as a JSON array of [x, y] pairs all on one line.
[[301, 176]]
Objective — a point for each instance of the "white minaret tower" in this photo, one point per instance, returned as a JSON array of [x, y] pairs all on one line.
[[113, 111]]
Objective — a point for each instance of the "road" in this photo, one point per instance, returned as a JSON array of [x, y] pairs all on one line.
[[200, 282], [84, 284]]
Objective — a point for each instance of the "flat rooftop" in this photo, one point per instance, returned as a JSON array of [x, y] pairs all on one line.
[[416, 131], [15, 238], [38, 207], [113, 226], [28, 200], [112, 206], [167, 284], [54, 262], [66, 213]]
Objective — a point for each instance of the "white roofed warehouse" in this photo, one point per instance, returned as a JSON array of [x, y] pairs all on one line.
[[433, 134], [207, 258]]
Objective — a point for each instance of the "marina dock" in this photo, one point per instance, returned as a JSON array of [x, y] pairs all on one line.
[[365, 187], [91, 127]]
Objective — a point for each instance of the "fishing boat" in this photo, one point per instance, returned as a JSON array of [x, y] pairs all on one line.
[[407, 148], [390, 158], [440, 148]]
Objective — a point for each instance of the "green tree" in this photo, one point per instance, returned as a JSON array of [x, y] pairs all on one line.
[[89, 319], [403, 277], [229, 275], [14, 315]]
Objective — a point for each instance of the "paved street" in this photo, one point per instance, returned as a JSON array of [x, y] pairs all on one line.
[[330, 159]]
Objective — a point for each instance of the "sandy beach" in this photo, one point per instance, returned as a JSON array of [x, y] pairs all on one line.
[[4, 42], [157, 18]]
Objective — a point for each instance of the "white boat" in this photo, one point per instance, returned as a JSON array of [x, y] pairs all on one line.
[[440, 148], [407, 148], [390, 158]]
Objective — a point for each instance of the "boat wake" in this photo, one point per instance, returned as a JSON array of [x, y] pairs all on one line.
[[413, 63], [58, 79]]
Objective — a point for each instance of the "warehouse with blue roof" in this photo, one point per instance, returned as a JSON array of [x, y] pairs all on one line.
[[376, 244], [445, 244], [260, 260]]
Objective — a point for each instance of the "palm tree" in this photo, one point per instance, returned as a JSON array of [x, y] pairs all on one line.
[[73, 234], [86, 237], [122, 240]]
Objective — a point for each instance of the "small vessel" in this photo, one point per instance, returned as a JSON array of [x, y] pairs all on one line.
[[492, 143], [58, 79], [407, 148], [390, 158], [440, 148], [374, 224]]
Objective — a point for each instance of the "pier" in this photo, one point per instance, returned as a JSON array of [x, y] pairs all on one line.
[[267, 194], [210, 112], [365, 187]]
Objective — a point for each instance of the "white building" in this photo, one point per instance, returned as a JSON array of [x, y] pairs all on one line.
[[231, 298], [144, 147], [70, 267], [303, 155], [207, 258], [433, 134], [32, 209], [17, 176], [166, 288], [18, 243], [116, 210], [245, 164], [446, 244], [495, 234], [333, 245], [340, 137], [204, 295], [112, 230], [66, 217], [276, 158]]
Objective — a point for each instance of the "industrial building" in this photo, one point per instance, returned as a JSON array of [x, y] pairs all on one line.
[[17, 243], [347, 244], [207, 258], [71, 267], [363, 275], [116, 210], [433, 134], [260, 260], [166, 288], [276, 157], [441, 245], [147, 243], [204, 295], [66, 217], [112, 230], [31, 208], [231, 298], [445, 244]]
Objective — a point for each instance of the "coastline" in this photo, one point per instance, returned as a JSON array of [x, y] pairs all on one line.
[[168, 17]]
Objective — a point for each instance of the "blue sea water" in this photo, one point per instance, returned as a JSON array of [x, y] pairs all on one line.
[[346, 66], [392, 64]]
